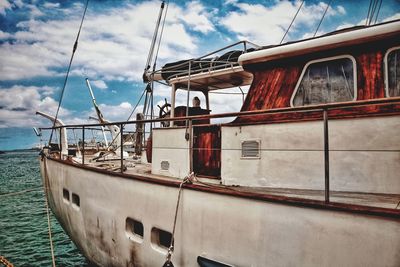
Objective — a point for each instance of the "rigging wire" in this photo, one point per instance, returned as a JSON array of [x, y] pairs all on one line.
[[373, 11], [377, 13], [298, 10], [372, 14], [154, 39], [68, 70], [369, 12], [155, 62], [323, 16]]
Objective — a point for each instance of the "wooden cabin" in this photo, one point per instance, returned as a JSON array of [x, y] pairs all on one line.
[[334, 72]]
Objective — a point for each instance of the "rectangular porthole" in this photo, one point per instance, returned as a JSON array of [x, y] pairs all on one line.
[[161, 239], [66, 195], [134, 230], [76, 200]]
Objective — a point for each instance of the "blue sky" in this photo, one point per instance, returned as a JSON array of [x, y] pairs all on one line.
[[36, 39]]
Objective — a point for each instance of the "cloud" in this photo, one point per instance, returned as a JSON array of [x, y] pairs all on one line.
[[394, 17], [100, 84], [18, 105], [266, 25], [4, 35], [4, 5], [113, 44], [51, 5], [197, 17]]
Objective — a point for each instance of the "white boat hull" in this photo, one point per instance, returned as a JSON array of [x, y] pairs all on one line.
[[235, 230]]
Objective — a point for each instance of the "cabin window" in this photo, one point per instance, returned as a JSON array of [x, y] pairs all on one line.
[[326, 81], [393, 72]]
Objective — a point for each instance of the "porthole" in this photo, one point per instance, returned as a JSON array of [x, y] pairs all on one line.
[[76, 202], [161, 238], [66, 195], [134, 230]]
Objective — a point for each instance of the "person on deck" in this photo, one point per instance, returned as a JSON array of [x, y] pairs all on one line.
[[196, 102]]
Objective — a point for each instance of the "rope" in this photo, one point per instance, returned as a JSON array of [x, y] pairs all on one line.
[[323, 16], [45, 188], [187, 180], [20, 192], [5, 262], [68, 70], [298, 10]]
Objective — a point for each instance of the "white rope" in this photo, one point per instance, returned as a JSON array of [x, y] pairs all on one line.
[[187, 180]]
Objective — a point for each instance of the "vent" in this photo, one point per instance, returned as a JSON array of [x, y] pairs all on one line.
[[251, 149], [165, 165]]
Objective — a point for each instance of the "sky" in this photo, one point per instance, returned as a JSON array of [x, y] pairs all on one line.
[[37, 36]]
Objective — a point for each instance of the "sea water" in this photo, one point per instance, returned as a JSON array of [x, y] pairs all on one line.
[[24, 238]]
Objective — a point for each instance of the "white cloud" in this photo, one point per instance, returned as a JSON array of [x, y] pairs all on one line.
[[113, 45], [51, 5], [267, 25], [4, 35], [197, 17], [341, 10], [118, 112], [4, 5], [394, 17], [100, 84], [18, 105]]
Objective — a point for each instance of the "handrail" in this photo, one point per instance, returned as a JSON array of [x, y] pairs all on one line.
[[189, 136], [151, 74], [309, 108]]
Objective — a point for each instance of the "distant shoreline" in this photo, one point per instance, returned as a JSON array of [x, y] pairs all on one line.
[[19, 150]]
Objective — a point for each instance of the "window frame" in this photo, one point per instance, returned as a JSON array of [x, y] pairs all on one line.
[[386, 69], [324, 60]]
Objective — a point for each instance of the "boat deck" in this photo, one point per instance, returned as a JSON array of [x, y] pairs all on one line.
[[136, 167]]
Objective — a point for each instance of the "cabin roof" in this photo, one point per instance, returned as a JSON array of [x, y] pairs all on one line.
[[345, 37]]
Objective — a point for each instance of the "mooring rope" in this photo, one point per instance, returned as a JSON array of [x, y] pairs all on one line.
[[5, 262], [187, 180], [37, 188], [45, 188]]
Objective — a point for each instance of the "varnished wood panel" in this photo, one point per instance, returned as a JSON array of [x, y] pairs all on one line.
[[207, 151], [274, 84]]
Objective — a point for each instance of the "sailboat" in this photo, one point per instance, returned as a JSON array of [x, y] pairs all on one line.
[[305, 174]]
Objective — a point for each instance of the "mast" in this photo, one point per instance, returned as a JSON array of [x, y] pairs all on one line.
[[115, 131]]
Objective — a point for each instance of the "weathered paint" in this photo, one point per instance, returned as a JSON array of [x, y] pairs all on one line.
[[364, 155], [170, 145], [235, 230]]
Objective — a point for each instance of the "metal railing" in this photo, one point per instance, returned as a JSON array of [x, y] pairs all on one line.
[[203, 64], [189, 121]]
